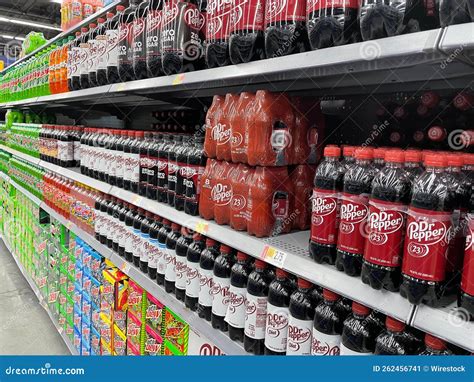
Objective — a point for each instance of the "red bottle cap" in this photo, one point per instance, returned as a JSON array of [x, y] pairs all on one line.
[[379, 153], [332, 151], [78, 34], [399, 112], [302, 283], [330, 295], [463, 101], [435, 160], [260, 264], [468, 159], [175, 226], [84, 29], [225, 249], [242, 256], [281, 274], [395, 156], [110, 15], [120, 8], [412, 156], [434, 342], [348, 151], [101, 20], [436, 133], [92, 25], [394, 325], [360, 309], [139, 134], [364, 153], [422, 110], [210, 242], [430, 99], [455, 160], [166, 222]]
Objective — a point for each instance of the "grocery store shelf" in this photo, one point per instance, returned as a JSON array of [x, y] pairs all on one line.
[[450, 323], [68, 32], [458, 43], [40, 297], [19, 154], [406, 62]]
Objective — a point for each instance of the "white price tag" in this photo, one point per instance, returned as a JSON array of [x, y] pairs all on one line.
[[202, 227], [273, 256], [125, 267]]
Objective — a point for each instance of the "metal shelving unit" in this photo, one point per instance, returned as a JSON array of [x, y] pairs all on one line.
[[220, 339], [40, 297]]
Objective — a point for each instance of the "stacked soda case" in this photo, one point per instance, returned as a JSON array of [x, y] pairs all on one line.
[[400, 225]]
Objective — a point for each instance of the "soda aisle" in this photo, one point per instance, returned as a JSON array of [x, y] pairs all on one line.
[[244, 178]]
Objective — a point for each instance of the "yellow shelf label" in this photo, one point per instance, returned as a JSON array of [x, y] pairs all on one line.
[[274, 256]]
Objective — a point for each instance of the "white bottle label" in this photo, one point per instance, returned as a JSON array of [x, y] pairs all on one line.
[[235, 315], [161, 269], [135, 168], [276, 333], [170, 273], [205, 284], [153, 254], [192, 279], [137, 243], [299, 336], [127, 166], [105, 224], [129, 240], [145, 249], [77, 151], [346, 351], [181, 270], [112, 47], [73, 60], [325, 344], [101, 42], [98, 221], [255, 316], [220, 293], [119, 165], [112, 163]]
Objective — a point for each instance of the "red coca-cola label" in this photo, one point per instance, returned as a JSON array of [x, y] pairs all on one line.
[[221, 194], [247, 15], [193, 17], [217, 19], [284, 10], [385, 231], [324, 216], [467, 281], [426, 244], [315, 5], [354, 212]]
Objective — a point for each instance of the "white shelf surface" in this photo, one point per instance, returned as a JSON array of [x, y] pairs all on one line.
[[289, 252], [40, 297]]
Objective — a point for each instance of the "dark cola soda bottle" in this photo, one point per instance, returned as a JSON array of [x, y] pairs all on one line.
[[354, 212], [97, 51], [300, 323], [285, 31], [235, 315], [84, 55], [139, 41], [455, 12], [151, 191], [74, 73], [196, 164], [326, 206], [206, 266], [332, 23], [181, 174], [161, 263], [182, 37], [173, 169], [162, 177], [393, 17], [220, 288], [170, 257], [193, 257], [112, 48], [246, 39], [182, 246], [125, 48], [427, 237], [359, 333], [466, 293], [154, 23], [391, 191], [217, 32], [435, 346], [256, 308], [126, 248], [327, 326], [137, 237], [154, 252], [276, 331], [145, 248], [395, 340]]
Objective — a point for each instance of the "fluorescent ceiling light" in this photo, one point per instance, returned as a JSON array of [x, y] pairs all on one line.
[[28, 23], [57, 1], [7, 36]]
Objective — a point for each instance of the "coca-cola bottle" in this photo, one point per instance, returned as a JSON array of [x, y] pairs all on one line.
[[435, 346], [256, 308], [235, 315], [359, 333], [206, 267], [139, 41], [285, 28], [162, 255], [327, 326], [154, 23], [395, 340], [154, 253], [276, 331], [428, 236], [300, 323], [196, 164], [354, 211], [325, 206], [182, 36], [246, 40], [193, 257], [220, 288], [182, 245], [217, 32], [170, 256], [125, 48], [466, 292], [391, 191], [112, 49], [332, 23]]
